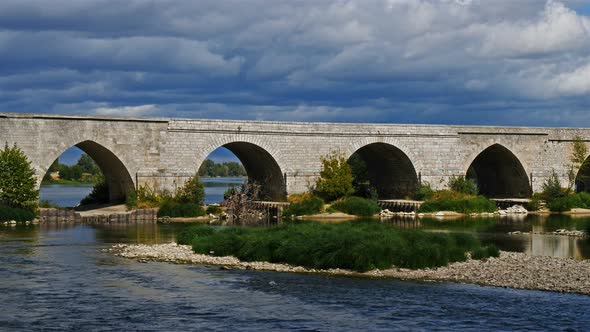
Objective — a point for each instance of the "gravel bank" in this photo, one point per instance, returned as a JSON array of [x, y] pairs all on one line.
[[514, 270]]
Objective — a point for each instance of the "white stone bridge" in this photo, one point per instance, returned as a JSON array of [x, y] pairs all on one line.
[[285, 156]]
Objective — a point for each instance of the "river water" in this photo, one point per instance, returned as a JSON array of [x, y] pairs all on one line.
[[56, 278]]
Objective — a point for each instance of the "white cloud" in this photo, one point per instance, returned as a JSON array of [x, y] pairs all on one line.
[[141, 110]]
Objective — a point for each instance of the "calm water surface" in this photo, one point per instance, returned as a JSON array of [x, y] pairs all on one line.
[[70, 196], [56, 278]]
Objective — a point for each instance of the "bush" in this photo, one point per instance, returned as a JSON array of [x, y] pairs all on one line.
[[335, 179], [463, 185], [8, 213], [180, 210], [187, 235], [535, 203], [485, 252], [17, 180], [446, 200], [357, 206], [193, 191], [360, 246], [98, 195], [566, 203], [423, 192], [552, 188], [213, 209], [307, 205]]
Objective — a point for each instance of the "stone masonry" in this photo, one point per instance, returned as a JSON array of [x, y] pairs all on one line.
[[164, 152]]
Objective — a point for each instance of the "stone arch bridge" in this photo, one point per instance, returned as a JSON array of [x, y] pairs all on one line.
[[285, 156]]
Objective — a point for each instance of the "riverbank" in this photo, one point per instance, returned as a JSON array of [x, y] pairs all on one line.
[[513, 270]]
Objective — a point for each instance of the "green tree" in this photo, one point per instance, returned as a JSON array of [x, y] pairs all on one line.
[[17, 179], [193, 191], [463, 185], [87, 165], [206, 168], [335, 179], [577, 161]]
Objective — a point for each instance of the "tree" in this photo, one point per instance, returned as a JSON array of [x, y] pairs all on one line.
[[335, 179], [193, 191], [17, 179], [87, 165], [577, 161]]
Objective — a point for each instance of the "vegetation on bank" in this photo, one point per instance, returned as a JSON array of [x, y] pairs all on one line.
[[18, 194], [448, 200], [186, 201], [359, 246], [209, 168], [357, 206], [85, 171], [304, 204]]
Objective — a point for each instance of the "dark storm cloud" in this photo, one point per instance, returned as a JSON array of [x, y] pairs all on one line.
[[426, 61]]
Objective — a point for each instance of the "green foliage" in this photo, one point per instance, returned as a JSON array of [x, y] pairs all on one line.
[[8, 213], [335, 179], [145, 197], [209, 168], [535, 203], [307, 206], [446, 200], [84, 171], [187, 235], [423, 192], [552, 188], [360, 246], [360, 178], [98, 195], [463, 185], [485, 252], [577, 160], [566, 203], [17, 180], [175, 209], [193, 191], [357, 206], [213, 209]]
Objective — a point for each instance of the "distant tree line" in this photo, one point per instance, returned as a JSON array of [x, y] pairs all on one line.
[[85, 170], [213, 169]]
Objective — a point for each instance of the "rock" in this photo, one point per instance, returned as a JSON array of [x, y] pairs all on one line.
[[12, 222]]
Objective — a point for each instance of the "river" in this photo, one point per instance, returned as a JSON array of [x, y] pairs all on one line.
[[56, 278]]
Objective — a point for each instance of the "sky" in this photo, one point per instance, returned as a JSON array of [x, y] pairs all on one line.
[[479, 62]]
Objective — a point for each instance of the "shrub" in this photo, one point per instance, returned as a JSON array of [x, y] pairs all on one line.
[[145, 197], [187, 235], [552, 188], [463, 185], [446, 200], [17, 180], [308, 205], [357, 206], [193, 191], [423, 192], [566, 203], [180, 210], [98, 195], [485, 252], [335, 179], [213, 209], [535, 203], [360, 246], [8, 213]]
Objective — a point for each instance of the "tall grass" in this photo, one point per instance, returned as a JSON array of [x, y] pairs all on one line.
[[304, 204], [175, 209], [8, 213], [447, 200], [357, 206], [566, 203], [359, 246]]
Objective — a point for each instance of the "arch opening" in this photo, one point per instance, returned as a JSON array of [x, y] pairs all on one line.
[[384, 168], [110, 167], [260, 168], [582, 181], [499, 174]]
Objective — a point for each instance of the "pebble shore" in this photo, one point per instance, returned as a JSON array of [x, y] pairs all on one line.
[[513, 270]]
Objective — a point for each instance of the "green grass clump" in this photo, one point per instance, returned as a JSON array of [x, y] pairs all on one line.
[[485, 252], [357, 206], [447, 200], [359, 246], [307, 205], [8, 213], [187, 235], [566, 203], [184, 210]]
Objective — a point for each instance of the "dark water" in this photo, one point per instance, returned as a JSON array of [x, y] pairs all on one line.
[[70, 196], [55, 278]]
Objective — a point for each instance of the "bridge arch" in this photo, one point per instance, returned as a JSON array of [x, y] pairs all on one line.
[[114, 170], [388, 169], [582, 181], [499, 173], [260, 165]]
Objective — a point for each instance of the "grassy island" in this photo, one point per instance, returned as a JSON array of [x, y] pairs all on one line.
[[358, 246]]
